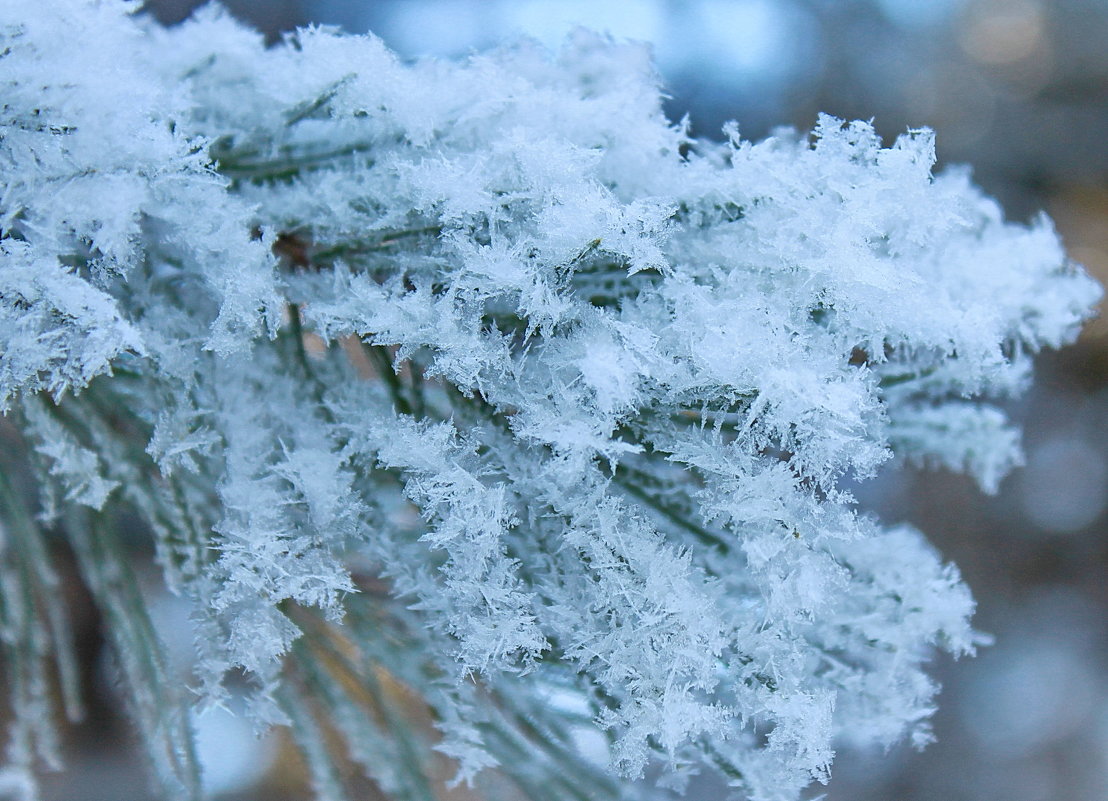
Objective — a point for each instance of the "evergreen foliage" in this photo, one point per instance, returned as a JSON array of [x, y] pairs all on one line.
[[485, 380]]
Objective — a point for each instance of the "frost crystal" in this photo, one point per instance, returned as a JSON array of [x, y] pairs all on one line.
[[483, 383]]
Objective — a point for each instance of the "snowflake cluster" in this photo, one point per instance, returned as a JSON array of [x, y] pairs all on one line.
[[489, 361]]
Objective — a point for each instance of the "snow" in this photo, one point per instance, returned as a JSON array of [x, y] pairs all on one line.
[[617, 375]]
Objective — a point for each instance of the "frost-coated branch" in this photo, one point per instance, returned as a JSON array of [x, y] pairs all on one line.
[[495, 365]]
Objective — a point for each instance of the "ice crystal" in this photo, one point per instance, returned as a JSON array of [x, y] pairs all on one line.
[[484, 379]]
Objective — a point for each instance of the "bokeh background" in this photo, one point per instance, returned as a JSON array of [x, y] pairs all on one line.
[[1019, 90]]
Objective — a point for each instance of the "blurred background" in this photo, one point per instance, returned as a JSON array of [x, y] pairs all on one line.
[[1019, 90]]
